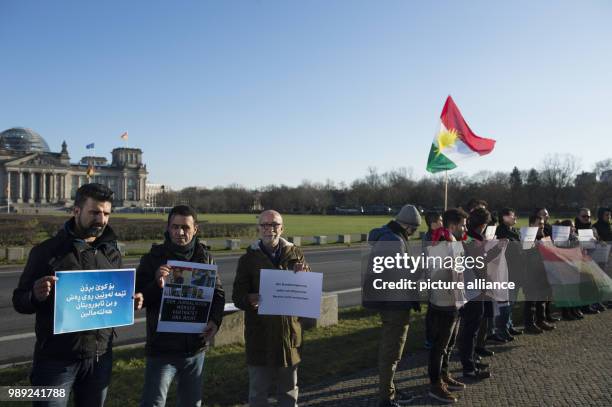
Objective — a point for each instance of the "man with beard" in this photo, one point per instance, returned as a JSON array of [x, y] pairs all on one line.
[[173, 354], [273, 342], [79, 361]]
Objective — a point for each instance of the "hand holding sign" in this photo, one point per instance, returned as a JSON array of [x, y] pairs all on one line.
[[161, 274], [42, 287]]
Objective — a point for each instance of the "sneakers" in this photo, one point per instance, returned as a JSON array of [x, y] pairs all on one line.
[[568, 315], [506, 335], [400, 399], [533, 329], [578, 313], [439, 391], [496, 338], [403, 398], [484, 352], [476, 375], [545, 326], [551, 319], [515, 332], [481, 365], [453, 384]]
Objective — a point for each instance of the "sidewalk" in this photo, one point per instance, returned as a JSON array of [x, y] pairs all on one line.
[[570, 366]]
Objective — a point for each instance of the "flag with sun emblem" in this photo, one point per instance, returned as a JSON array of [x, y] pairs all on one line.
[[455, 142]]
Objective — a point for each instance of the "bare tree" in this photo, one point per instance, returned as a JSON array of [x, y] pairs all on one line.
[[557, 174]]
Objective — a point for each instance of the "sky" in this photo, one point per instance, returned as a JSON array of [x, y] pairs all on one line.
[[277, 92]]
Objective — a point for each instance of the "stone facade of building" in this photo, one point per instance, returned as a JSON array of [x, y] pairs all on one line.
[[33, 176]]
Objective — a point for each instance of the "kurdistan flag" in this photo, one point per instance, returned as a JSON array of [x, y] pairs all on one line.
[[575, 279], [455, 141]]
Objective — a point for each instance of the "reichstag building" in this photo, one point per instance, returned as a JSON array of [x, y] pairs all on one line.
[[32, 176]]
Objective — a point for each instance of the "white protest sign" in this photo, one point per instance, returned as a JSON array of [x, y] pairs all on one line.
[[528, 236], [586, 238], [490, 232], [560, 233], [283, 292]]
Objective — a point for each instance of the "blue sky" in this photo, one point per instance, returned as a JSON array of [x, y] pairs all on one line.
[[263, 92]]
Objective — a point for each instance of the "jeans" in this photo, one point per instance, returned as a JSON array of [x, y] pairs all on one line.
[[471, 317], [284, 379], [160, 371], [444, 327], [89, 378], [393, 337], [504, 319]]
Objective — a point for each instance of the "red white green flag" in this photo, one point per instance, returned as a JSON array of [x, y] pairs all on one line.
[[455, 141]]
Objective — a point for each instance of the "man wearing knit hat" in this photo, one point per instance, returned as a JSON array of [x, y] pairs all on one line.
[[395, 315]]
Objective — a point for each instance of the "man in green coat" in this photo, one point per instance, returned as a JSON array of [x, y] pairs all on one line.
[[273, 342]]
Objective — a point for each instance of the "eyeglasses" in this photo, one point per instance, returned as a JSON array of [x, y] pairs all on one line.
[[270, 225], [585, 216]]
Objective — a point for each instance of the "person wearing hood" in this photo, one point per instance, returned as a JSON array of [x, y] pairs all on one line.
[[79, 362], [273, 342], [602, 226], [392, 239], [173, 354]]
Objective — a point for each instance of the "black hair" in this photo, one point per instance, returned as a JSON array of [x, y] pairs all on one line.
[[601, 212], [504, 212], [453, 216], [97, 192], [532, 218], [183, 210], [431, 217], [473, 203], [479, 217]]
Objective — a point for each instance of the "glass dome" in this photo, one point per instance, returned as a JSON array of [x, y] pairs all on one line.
[[22, 139]]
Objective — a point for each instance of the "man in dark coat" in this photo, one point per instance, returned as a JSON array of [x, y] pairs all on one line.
[[170, 354], [78, 361]]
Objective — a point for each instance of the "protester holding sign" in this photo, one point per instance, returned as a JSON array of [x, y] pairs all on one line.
[[81, 361], [170, 354], [273, 342]]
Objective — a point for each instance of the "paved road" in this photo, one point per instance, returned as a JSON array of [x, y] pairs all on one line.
[[569, 366], [340, 268]]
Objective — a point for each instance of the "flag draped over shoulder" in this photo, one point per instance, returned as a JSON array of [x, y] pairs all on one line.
[[455, 141], [574, 277]]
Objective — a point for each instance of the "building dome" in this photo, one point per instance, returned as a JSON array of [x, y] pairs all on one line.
[[22, 139]]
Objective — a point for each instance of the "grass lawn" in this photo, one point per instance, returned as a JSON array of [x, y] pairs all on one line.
[[329, 352], [295, 225]]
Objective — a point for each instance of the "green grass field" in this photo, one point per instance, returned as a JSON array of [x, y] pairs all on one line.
[[306, 225], [295, 225]]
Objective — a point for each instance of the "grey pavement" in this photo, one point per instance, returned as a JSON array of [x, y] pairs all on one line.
[[570, 366]]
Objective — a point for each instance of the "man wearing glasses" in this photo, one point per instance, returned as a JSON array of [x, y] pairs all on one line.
[[273, 342]]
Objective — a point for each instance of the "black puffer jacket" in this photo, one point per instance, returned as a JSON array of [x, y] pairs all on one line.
[[62, 252], [169, 343]]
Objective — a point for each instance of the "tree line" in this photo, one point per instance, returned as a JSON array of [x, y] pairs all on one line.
[[557, 184]]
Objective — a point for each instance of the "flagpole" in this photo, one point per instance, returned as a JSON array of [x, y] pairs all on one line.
[[445, 189]]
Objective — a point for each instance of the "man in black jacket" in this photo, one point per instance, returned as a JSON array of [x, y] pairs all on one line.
[[81, 361], [171, 354]]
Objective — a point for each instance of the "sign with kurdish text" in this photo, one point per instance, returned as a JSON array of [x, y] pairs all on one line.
[[93, 299]]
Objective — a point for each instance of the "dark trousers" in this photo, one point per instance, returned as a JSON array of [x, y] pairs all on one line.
[[443, 333], [89, 378], [535, 311], [428, 325], [471, 317]]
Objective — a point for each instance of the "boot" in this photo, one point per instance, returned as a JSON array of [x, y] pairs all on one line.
[[439, 391]]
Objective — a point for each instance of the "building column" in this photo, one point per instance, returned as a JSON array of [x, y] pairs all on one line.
[[31, 197], [20, 188], [8, 188], [43, 187], [124, 188], [53, 187], [63, 187]]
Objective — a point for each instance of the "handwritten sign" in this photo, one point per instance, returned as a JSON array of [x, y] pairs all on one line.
[[93, 299]]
